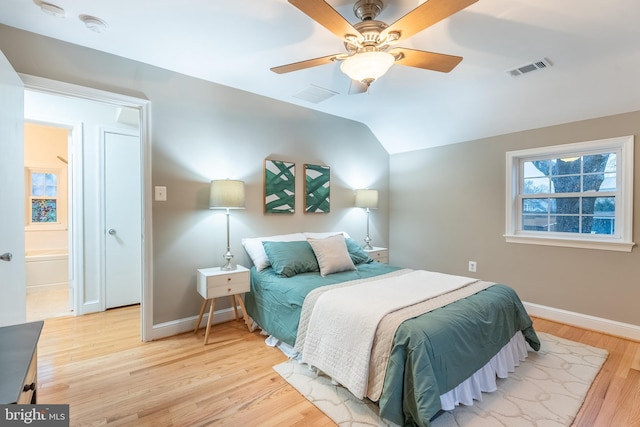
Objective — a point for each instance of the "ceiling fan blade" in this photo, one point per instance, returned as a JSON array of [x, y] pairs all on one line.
[[321, 12], [427, 60], [306, 64], [425, 15]]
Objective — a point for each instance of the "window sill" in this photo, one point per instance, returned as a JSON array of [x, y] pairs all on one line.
[[603, 245], [45, 227]]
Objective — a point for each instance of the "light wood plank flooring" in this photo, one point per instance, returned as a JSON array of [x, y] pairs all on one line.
[[98, 365]]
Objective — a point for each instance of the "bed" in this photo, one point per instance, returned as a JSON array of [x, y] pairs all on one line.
[[424, 357]]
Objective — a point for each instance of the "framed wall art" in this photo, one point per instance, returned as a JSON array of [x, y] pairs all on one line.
[[279, 187], [317, 188]]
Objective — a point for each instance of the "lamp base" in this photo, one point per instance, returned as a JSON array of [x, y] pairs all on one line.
[[227, 265], [367, 244]]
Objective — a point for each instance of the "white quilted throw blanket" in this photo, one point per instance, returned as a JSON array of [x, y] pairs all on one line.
[[343, 323]]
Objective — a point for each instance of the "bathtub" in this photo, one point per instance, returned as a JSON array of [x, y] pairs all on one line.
[[47, 267]]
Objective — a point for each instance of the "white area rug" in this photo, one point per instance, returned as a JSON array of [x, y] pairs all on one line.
[[547, 389]]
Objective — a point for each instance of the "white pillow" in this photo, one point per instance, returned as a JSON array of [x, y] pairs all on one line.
[[310, 235], [332, 254], [256, 252]]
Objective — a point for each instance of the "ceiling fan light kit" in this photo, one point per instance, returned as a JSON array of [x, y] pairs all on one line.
[[366, 67], [369, 43]]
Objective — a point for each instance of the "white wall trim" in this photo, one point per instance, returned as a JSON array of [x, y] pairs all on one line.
[[89, 307], [180, 326], [611, 327]]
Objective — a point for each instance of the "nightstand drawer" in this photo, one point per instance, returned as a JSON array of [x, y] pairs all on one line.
[[222, 283], [378, 254], [380, 257]]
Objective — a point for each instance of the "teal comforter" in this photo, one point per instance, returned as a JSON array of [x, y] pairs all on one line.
[[436, 351], [275, 302], [431, 353]]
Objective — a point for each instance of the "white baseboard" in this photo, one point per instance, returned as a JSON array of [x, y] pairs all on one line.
[[90, 307], [180, 326], [611, 327]]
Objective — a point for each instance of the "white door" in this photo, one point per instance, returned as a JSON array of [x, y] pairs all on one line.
[[123, 225], [12, 264]]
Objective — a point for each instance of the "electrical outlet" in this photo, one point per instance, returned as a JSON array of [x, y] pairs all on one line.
[[161, 194], [472, 266]]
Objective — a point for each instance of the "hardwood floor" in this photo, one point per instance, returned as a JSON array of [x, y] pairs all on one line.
[[614, 397], [98, 365]]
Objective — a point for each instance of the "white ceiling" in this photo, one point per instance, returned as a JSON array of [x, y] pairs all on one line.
[[594, 47]]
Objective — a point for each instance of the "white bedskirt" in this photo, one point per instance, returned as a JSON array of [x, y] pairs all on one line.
[[484, 380]]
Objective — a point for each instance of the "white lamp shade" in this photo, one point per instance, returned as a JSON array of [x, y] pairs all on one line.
[[367, 199], [367, 66], [226, 194]]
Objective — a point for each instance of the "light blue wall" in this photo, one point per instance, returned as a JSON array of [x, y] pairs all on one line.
[[203, 131]]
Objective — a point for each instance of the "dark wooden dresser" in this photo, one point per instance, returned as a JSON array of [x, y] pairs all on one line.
[[19, 362]]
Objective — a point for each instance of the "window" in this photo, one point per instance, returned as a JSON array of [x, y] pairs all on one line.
[[45, 199], [575, 195]]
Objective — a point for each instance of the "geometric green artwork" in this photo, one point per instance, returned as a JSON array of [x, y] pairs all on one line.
[[279, 187], [317, 188]]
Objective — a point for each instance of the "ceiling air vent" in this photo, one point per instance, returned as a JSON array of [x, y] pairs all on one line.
[[527, 68], [315, 94]]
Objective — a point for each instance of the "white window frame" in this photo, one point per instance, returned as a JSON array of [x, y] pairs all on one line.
[[620, 241]]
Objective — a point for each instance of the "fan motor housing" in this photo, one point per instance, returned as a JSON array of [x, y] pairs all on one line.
[[370, 31]]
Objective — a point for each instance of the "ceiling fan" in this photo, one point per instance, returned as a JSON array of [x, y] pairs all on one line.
[[370, 43]]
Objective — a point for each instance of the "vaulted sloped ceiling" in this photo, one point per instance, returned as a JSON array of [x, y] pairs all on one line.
[[589, 49]]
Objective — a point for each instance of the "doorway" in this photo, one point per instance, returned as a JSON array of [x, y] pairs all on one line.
[[49, 286], [87, 219]]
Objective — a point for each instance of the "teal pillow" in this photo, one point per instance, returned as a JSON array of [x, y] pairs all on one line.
[[357, 254], [290, 258]]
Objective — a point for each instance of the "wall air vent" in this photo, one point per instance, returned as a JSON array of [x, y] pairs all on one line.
[[527, 68], [315, 94]]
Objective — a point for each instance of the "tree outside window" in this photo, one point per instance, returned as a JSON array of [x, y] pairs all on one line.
[[567, 185]]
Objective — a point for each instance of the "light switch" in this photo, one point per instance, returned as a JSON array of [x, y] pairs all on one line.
[[161, 194]]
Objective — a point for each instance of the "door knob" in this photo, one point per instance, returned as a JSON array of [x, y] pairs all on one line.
[[6, 256], [112, 231]]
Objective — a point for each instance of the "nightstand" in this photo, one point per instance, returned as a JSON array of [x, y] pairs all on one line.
[[215, 283], [378, 254]]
